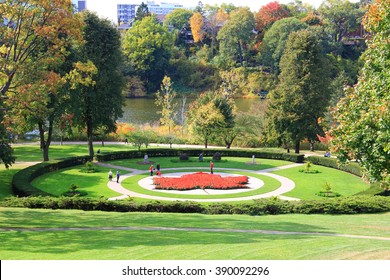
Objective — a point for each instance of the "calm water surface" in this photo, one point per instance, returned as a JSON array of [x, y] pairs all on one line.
[[144, 110]]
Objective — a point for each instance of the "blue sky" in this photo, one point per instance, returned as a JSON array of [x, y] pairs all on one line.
[[107, 8]]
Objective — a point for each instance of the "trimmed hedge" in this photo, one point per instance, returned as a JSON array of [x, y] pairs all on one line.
[[21, 182], [352, 167], [167, 152], [271, 206]]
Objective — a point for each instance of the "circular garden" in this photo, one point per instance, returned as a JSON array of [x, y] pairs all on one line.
[[235, 178]]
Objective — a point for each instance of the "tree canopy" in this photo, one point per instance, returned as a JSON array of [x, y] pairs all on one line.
[[148, 46], [302, 94], [363, 115]]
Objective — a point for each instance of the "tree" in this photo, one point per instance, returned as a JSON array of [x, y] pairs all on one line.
[[210, 115], [235, 35], [269, 14], [363, 115], [148, 46], [197, 27], [34, 36], [98, 81], [340, 17], [205, 120], [275, 39], [142, 11], [165, 98], [302, 95], [215, 20], [178, 18]]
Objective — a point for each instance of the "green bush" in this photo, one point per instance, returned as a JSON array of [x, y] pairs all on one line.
[[167, 152], [271, 206], [21, 182], [352, 167]]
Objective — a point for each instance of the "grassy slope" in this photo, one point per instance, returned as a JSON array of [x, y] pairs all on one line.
[[108, 244]]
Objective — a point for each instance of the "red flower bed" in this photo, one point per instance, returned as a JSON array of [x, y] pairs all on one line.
[[201, 180]]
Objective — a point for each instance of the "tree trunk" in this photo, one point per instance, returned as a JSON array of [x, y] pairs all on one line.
[[205, 143], [45, 144], [90, 136], [312, 146], [240, 53], [297, 145]]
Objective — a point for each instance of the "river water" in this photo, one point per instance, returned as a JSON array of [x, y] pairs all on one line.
[[141, 111]]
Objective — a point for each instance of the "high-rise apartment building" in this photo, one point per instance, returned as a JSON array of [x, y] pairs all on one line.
[[126, 12], [81, 5]]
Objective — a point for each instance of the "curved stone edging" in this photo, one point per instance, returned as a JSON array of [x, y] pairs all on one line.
[[286, 185]]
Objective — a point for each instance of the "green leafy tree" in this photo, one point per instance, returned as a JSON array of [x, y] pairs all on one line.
[[142, 11], [340, 18], [275, 39], [211, 115], [99, 100], [302, 95], [165, 99], [235, 36], [148, 47], [363, 115], [178, 19]]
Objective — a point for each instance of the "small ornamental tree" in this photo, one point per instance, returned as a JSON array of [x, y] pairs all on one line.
[[165, 98]]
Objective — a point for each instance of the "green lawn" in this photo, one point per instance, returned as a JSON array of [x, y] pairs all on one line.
[[307, 184], [158, 245], [270, 184], [227, 162], [6, 178], [58, 182], [32, 152]]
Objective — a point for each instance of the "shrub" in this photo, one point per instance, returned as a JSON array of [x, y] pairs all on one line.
[[184, 156], [167, 152], [352, 167], [89, 167], [217, 156], [21, 182], [271, 206]]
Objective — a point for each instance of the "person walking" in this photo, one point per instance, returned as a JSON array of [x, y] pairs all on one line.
[[211, 167], [110, 175], [151, 170], [117, 176]]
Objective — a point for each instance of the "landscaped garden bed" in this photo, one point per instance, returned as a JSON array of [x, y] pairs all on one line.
[[201, 180]]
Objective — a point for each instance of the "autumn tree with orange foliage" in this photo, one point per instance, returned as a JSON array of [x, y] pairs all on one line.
[[34, 36], [269, 14], [197, 24]]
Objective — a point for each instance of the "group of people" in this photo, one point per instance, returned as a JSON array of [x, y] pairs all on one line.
[[118, 175], [152, 169]]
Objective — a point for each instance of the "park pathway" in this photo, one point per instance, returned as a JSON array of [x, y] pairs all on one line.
[[286, 184]]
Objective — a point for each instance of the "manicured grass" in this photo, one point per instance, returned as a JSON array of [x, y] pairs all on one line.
[[137, 244], [307, 185], [227, 162], [58, 182], [6, 178], [270, 184], [32, 152]]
